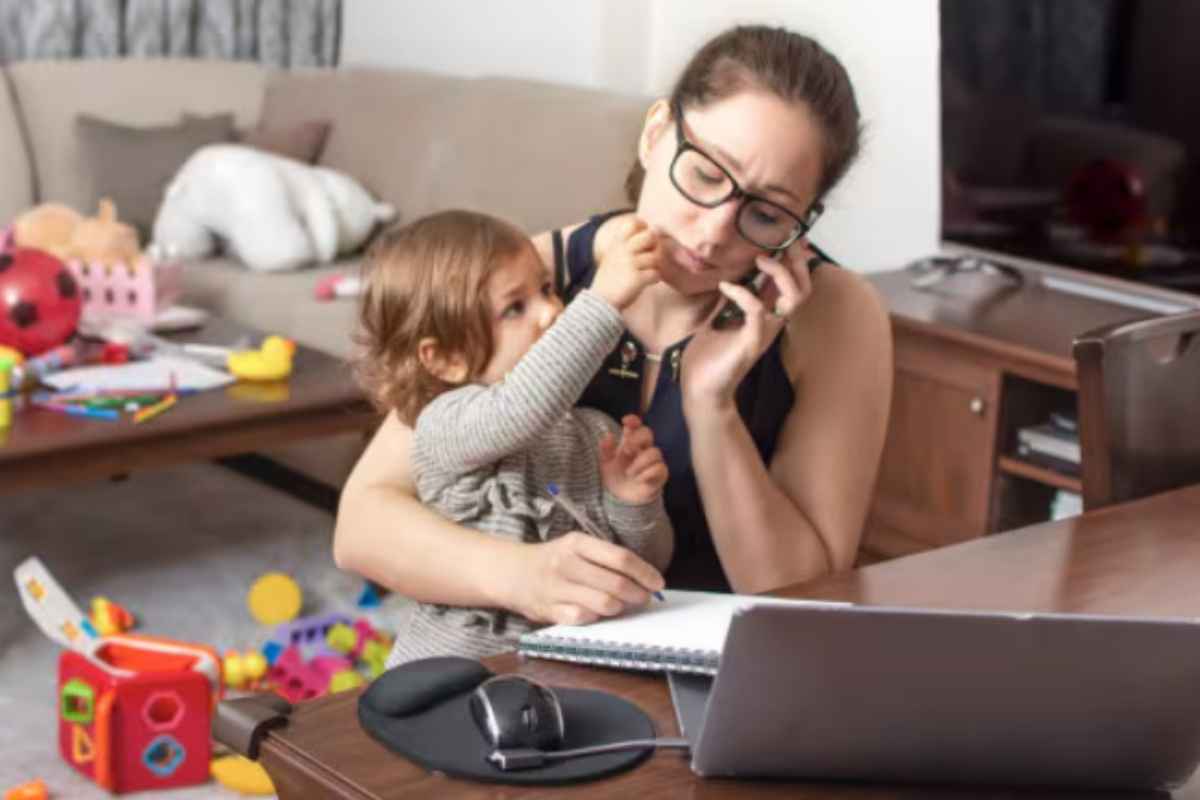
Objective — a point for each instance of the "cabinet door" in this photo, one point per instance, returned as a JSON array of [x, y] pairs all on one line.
[[936, 474]]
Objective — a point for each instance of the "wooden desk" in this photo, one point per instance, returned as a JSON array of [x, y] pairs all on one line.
[[1139, 558]]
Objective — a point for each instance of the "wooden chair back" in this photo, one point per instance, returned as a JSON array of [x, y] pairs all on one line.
[[1139, 408]]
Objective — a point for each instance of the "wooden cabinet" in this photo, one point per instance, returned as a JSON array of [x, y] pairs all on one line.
[[976, 359]]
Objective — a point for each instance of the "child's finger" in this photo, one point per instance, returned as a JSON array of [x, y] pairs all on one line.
[[635, 440], [654, 475], [640, 240], [644, 460], [608, 447]]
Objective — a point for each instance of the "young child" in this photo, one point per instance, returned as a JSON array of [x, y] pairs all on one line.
[[463, 336]]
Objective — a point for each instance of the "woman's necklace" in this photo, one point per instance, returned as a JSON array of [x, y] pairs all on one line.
[[652, 357]]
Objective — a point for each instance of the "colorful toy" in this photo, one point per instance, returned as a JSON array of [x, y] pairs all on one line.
[[103, 240], [30, 790], [241, 775], [244, 670], [108, 617], [48, 227], [134, 711], [338, 285], [271, 362], [310, 634], [295, 679], [274, 598], [6, 365], [345, 680], [39, 301]]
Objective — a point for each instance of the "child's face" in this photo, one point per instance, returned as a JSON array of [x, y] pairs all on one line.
[[522, 295]]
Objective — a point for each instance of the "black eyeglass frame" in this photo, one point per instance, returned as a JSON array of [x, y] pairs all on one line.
[[744, 198]]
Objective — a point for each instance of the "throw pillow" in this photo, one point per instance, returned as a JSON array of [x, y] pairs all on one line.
[[132, 165], [302, 141]]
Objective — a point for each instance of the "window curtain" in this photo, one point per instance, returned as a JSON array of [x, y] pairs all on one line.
[[279, 33], [1053, 53]]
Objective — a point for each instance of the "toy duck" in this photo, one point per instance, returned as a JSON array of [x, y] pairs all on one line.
[[272, 361]]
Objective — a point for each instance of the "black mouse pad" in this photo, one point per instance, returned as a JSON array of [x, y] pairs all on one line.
[[421, 710]]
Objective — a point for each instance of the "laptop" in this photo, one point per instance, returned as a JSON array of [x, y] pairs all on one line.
[[912, 695]]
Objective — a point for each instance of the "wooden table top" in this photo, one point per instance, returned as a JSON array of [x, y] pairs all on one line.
[[1140, 558], [319, 398]]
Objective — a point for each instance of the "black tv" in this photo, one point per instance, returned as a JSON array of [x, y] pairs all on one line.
[[1071, 135]]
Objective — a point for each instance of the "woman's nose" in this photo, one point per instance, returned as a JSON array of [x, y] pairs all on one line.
[[720, 223]]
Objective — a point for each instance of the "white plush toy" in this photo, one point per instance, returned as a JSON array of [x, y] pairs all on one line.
[[271, 212]]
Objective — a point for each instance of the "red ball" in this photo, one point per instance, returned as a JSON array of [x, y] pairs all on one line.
[[39, 301]]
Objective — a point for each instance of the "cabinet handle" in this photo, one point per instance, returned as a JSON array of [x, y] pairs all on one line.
[[977, 405]]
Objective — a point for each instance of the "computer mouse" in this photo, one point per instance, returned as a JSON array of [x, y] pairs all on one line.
[[514, 711]]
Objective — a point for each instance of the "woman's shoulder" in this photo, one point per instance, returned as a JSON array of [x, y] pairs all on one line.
[[845, 310]]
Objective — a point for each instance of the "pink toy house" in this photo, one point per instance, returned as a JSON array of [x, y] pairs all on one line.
[[140, 290]]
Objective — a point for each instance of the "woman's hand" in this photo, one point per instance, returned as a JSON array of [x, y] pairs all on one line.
[[716, 361], [578, 578]]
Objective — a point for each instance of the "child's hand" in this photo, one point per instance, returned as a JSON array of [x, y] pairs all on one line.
[[629, 265], [633, 469]]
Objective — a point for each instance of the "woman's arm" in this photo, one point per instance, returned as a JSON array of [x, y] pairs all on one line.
[[810, 504], [384, 533]]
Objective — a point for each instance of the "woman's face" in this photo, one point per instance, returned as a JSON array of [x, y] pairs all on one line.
[[771, 148]]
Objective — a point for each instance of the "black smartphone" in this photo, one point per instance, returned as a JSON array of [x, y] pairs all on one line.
[[731, 316]]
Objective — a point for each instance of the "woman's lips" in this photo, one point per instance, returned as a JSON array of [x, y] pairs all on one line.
[[690, 261]]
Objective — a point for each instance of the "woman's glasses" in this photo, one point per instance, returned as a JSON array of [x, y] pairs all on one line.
[[706, 183]]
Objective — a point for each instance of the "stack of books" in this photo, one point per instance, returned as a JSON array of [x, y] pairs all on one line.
[[1053, 444]]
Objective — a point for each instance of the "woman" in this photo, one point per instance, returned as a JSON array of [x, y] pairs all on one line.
[[772, 429]]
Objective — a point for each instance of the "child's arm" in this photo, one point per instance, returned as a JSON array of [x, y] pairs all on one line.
[[468, 428], [643, 527]]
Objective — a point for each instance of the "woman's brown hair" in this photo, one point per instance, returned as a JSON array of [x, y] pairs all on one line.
[[793, 67], [427, 279]]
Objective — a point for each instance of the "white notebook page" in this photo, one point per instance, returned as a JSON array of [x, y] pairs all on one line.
[[690, 620]]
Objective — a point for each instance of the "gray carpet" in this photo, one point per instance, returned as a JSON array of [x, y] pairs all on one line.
[[179, 548]]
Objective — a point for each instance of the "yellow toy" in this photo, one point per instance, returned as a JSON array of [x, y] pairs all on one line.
[[241, 775], [243, 671], [109, 618], [274, 598], [272, 361], [48, 227], [103, 240]]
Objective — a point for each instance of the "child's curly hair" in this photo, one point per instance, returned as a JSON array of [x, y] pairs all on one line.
[[427, 279]]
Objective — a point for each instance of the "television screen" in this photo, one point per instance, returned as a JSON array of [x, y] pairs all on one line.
[[1071, 133]]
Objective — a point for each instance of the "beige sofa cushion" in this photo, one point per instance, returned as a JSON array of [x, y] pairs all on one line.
[[538, 154], [16, 180], [127, 91], [275, 302]]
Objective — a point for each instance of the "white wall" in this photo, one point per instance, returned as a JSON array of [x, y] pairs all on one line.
[[887, 210]]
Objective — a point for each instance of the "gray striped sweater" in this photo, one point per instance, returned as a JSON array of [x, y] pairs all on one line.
[[483, 456]]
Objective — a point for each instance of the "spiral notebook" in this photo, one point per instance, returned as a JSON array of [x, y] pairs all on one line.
[[683, 633]]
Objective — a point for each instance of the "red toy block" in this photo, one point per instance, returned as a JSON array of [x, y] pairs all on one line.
[[137, 715]]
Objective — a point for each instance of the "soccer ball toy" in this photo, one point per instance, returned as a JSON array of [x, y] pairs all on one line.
[[39, 300]]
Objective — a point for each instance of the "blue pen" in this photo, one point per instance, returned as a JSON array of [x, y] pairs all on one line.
[[580, 518]]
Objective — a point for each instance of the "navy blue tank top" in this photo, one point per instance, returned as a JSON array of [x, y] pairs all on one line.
[[764, 399]]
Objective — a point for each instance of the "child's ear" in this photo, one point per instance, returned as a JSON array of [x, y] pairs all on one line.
[[658, 119], [450, 367]]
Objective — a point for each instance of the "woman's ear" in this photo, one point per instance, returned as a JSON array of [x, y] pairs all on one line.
[[658, 120], [449, 367]]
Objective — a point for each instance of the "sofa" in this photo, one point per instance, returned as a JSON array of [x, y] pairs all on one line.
[[542, 155]]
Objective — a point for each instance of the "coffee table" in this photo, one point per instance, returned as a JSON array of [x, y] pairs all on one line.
[[319, 399]]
